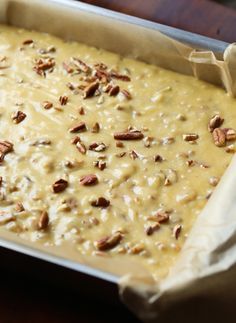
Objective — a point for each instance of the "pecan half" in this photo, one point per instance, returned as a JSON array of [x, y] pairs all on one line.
[[215, 122], [190, 137], [219, 137], [129, 135], [18, 116], [90, 179], [90, 90], [101, 202], [43, 220], [108, 242], [78, 128], [176, 231], [63, 99], [59, 186]]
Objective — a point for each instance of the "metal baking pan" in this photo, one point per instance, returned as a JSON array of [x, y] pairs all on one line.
[[18, 256]]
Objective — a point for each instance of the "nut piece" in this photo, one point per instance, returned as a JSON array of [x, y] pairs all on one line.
[[219, 137], [95, 127], [162, 217], [81, 147], [47, 105], [59, 186], [213, 180], [133, 155], [114, 90], [215, 122], [230, 134], [5, 147], [152, 228], [90, 90], [100, 164], [18, 116], [158, 158], [88, 180], [190, 137], [28, 42], [101, 202], [63, 99], [19, 207], [176, 231], [97, 146], [129, 135], [108, 242], [43, 220], [78, 128]]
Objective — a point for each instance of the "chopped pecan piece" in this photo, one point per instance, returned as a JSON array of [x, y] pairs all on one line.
[[96, 127], [47, 105], [81, 147], [63, 99], [68, 68], [19, 207], [78, 128], [120, 155], [1, 181], [109, 242], [158, 158], [118, 76], [126, 94], [219, 137], [101, 202], [129, 135], [5, 147], [90, 90], [43, 220], [59, 186], [90, 179], [162, 217], [190, 137], [100, 164], [75, 140], [43, 65], [81, 65], [18, 116], [215, 122], [119, 144], [81, 111], [230, 134], [114, 90], [28, 42], [133, 155], [152, 228], [97, 146], [176, 231]]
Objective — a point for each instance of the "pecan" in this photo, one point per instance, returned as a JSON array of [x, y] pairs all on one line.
[[219, 137], [43, 220], [75, 140], [100, 164], [81, 147], [78, 128], [152, 228], [190, 137], [90, 90], [176, 231], [101, 202], [63, 99], [5, 147], [81, 65], [215, 122], [47, 105], [133, 155], [43, 65], [118, 76], [162, 217], [119, 144], [129, 135], [120, 155], [158, 158], [114, 90], [59, 186], [96, 127], [18, 116], [126, 94], [230, 134], [109, 242], [95, 146], [90, 179], [28, 42], [19, 207], [168, 140], [81, 111], [1, 181], [67, 67]]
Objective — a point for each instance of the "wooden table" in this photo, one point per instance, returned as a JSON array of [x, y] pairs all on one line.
[[26, 300]]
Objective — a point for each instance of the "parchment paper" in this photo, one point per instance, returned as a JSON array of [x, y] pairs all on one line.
[[201, 284]]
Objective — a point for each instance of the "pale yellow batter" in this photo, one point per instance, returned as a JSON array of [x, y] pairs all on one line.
[[111, 154]]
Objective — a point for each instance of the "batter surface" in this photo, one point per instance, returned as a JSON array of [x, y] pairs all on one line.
[[112, 154]]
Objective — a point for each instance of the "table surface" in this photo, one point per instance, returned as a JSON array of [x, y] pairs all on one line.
[[26, 300]]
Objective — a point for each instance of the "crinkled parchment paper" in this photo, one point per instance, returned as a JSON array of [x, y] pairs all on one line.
[[201, 284]]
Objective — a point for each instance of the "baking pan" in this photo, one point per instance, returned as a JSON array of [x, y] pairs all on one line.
[[26, 258]]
